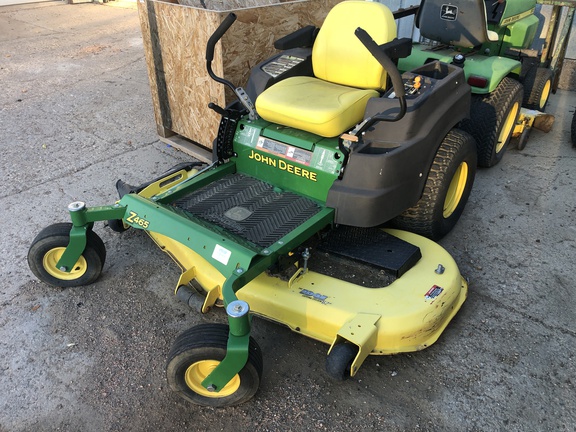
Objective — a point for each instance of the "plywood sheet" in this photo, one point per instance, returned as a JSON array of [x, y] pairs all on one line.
[[175, 37]]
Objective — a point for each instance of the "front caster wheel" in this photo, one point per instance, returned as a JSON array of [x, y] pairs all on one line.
[[339, 361], [196, 353], [47, 249]]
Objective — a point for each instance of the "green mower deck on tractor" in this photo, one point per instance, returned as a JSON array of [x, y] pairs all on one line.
[[286, 222], [489, 39]]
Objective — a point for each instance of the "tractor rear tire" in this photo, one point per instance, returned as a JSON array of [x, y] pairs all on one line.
[[537, 88], [447, 188], [49, 245], [492, 120], [196, 352]]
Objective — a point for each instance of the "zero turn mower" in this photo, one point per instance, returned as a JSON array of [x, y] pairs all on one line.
[[285, 223]]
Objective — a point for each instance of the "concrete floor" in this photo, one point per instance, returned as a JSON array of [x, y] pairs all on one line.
[[76, 115]]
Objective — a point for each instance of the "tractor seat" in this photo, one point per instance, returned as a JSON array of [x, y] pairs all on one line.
[[346, 75], [463, 24]]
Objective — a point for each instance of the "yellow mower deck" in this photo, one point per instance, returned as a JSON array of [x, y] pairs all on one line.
[[408, 315]]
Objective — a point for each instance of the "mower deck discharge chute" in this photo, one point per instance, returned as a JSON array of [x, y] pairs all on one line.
[[286, 222]]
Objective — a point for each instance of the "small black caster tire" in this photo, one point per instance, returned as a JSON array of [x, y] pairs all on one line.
[[196, 352], [521, 141], [49, 245], [117, 225], [339, 361]]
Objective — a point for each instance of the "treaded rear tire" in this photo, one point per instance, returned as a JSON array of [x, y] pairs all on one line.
[[439, 208], [488, 115], [537, 88]]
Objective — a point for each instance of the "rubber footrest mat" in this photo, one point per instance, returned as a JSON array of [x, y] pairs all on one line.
[[249, 208], [372, 246]]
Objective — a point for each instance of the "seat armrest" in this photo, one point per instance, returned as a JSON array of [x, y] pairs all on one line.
[[397, 48]]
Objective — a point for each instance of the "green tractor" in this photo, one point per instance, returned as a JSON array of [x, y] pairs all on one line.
[[487, 38], [286, 223]]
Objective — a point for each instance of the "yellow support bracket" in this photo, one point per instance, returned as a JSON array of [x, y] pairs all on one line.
[[296, 277], [212, 295], [186, 277], [362, 332]]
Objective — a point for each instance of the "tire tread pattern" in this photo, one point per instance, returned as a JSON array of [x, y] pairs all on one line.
[[534, 84], [487, 114], [426, 217]]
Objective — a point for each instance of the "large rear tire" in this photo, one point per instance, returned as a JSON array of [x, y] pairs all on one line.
[[492, 120], [537, 88], [447, 188], [196, 352]]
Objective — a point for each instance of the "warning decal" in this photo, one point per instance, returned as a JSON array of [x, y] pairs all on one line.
[[433, 292]]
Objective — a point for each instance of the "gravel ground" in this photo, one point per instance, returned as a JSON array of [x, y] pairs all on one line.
[[76, 115]]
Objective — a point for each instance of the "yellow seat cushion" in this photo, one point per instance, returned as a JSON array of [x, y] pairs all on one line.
[[313, 105], [346, 75]]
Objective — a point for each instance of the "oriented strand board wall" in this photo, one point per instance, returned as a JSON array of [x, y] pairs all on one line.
[[175, 38]]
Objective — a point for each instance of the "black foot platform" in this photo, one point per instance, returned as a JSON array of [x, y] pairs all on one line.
[[374, 247], [249, 208]]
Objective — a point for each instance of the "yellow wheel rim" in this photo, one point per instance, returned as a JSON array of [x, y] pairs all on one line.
[[507, 128], [197, 372], [545, 94], [52, 257], [456, 190]]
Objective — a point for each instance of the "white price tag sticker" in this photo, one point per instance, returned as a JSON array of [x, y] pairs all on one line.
[[221, 254]]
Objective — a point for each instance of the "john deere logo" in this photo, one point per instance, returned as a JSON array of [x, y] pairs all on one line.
[[449, 12]]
